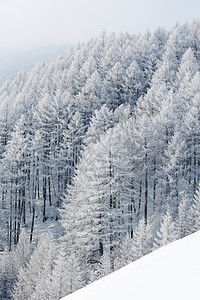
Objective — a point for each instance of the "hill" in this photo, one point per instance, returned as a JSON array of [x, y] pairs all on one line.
[[171, 272]]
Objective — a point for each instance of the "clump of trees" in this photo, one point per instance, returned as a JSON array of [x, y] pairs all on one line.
[[100, 149]]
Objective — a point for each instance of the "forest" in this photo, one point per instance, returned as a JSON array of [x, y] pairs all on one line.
[[99, 160]]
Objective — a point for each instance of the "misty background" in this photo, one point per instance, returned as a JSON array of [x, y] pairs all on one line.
[[13, 62], [35, 30]]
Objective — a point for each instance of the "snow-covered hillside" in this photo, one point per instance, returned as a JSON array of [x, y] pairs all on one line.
[[171, 272]]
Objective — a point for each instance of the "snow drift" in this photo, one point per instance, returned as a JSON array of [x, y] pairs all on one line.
[[171, 272]]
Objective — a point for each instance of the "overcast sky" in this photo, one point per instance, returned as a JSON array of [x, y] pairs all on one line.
[[26, 24]]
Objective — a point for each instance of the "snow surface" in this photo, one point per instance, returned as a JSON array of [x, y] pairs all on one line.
[[171, 272]]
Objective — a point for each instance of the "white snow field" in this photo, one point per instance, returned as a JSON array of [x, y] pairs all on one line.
[[171, 272]]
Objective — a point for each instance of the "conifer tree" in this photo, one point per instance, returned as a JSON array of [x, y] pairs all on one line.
[[166, 233], [101, 120], [194, 213], [181, 222], [39, 265]]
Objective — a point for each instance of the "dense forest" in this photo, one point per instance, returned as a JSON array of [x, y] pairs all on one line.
[[99, 159]]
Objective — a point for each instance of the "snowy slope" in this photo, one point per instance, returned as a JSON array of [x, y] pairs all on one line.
[[172, 272]]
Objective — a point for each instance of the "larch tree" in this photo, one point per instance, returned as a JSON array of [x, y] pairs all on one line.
[[15, 169], [194, 212], [181, 222], [166, 233], [40, 263]]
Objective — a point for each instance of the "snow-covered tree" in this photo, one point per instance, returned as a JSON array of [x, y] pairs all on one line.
[[167, 232], [40, 264], [194, 213], [101, 120], [181, 222]]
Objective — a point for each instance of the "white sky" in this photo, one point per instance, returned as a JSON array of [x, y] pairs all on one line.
[[26, 24]]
